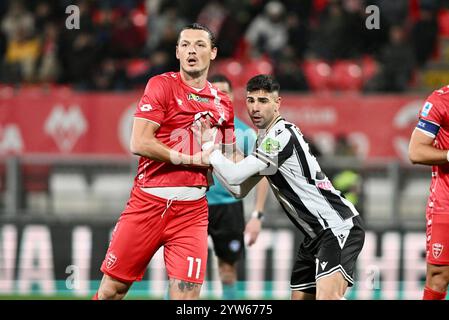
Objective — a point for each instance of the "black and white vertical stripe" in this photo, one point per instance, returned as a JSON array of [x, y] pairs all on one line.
[[296, 184]]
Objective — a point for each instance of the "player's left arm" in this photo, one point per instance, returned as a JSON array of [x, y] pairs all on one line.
[[254, 225]]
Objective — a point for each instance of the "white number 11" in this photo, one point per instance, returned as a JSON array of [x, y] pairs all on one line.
[[198, 267]]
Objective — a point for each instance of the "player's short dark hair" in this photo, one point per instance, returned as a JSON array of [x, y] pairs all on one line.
[[199, 26], [220, 78], [263, 82]]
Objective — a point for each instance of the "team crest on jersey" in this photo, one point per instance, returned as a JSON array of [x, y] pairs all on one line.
[[426, 109], [192, 96], [271, 146], [437, 249], [111, 260]]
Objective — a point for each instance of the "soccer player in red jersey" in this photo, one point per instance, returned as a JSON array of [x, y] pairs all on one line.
[[429, 145], [167, 205]]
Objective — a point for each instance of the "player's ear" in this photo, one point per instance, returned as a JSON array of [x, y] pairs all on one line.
[[177, 52], [278, 103], [213, 54]]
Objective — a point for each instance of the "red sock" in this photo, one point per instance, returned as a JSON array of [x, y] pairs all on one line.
[[95, 297], [430, 294]]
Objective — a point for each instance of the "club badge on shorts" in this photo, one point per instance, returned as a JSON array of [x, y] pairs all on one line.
[[437, 249]]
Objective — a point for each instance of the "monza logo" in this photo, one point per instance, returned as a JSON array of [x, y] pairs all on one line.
[[437, 249], [111, 260], [66, 126]]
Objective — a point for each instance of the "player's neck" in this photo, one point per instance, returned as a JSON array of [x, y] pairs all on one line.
[[264, 131], [273, 122], [197, 82]]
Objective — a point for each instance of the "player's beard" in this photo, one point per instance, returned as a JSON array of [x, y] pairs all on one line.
[[194, 74]]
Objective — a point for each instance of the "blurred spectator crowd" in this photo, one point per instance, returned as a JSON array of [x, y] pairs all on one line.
[[307, 44]]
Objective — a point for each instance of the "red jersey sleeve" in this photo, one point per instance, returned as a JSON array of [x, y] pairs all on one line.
[[432, 116], [153, 104], [228, 129]]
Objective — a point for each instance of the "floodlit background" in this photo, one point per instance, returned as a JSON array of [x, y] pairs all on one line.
[[353, 73]]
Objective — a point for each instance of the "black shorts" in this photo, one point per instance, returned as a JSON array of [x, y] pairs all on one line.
[[323, 256], [226, 226]]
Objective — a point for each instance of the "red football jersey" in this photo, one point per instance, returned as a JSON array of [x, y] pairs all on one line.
[[434, 121], [172, 104]]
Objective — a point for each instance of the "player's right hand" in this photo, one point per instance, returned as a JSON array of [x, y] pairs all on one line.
[[203, 128]]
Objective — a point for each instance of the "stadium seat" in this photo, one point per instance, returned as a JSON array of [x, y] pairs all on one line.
[[136, 67], [35, 178], [36, 185], [346, 75], [232, 69], [71, 194], [257, 66], [369, 68], [238, 72], [443, 23], [318, 74], [110, 191]]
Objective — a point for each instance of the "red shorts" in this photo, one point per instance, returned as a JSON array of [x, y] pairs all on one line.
[[437, 236], [150, 222]]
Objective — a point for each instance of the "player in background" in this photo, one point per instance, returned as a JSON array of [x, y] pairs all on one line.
[[332, 227], [167, 205], [429, 145], [226, 214]]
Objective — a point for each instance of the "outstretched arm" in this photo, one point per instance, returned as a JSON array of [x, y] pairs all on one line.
[[236, 173]]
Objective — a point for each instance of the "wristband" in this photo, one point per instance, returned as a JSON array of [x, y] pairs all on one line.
[[447, 155], [207, 145], [257, 214]]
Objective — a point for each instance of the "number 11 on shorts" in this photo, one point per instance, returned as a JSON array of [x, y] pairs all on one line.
[[198, 267]]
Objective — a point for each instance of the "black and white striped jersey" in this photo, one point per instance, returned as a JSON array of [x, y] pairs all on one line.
[[303, 190]]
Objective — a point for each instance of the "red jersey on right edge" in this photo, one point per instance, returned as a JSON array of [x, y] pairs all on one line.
[[172, 104], [434, 122]]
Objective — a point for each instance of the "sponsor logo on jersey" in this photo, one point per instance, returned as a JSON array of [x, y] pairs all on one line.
[[146, 107], [66, 126], [194, 97], [325, 185], [271, 146], [437, 249], [111, 260], [426, 109]]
